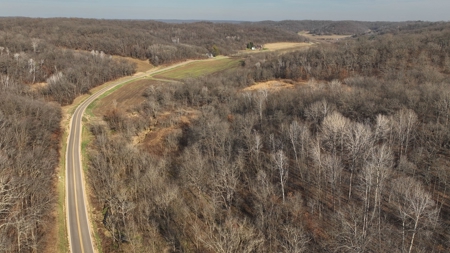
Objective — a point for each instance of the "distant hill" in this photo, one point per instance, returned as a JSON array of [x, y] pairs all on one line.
[[342, 27], [187, 21], [324, 27]]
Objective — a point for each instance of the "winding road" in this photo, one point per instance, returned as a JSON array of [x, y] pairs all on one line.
[[79, 231], [78, 226]]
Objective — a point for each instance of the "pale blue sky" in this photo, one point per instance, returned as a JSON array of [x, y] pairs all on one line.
[[251, 10]]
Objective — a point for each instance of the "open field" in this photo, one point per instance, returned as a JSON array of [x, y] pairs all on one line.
[[125, 97], [274, 85], [142, 65], [286, 45], [199, 68], [280, 47], [314, 37]]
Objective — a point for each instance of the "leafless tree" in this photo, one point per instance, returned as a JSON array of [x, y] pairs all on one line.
[[261, 100], [281, 164], [232, 236], [383, 131], [333, 129], [226, 179], [443, 104], [380, 166], [294, 134], [256, 148], [414, 203], [318, 110], [405, 122], [333, 169], [295, 239], [350, 237], [34, 44], [32, 66], [358, 141], [315, 150]]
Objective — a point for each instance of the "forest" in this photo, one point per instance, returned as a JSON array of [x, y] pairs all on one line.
[[46, 64], [353, 158], [159, 42], [347, 27]]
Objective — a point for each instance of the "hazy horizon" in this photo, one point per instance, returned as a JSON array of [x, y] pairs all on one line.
[[363, 10]]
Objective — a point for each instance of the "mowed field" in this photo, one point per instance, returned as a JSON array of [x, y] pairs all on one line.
[[332, 37], [286, 46], [199, 68]]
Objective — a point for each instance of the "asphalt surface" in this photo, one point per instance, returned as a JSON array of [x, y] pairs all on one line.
[[79, 231]]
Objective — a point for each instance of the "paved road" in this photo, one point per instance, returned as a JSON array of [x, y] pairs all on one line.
[[79, 231]]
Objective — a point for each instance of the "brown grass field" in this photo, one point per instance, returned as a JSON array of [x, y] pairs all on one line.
[[142, 65], [274, 85], [125, 97], [286, 45], [329, 38]]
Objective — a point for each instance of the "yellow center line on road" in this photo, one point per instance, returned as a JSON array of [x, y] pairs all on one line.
[[76, 125], [76, 198]]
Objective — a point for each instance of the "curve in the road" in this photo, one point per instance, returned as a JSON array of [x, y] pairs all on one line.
[[79, 232]]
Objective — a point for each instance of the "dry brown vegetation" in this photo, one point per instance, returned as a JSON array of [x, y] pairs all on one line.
[[324, 38], [273, 85], [297, 170], [286, 45], [124, 99], [204, 167], [141, 65]]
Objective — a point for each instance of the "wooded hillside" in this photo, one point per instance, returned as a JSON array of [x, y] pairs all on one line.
[[157, 41], [353, 158], [356, 160], [349, 27]]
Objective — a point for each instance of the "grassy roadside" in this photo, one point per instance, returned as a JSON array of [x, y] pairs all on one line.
[[61, 222], [86, 138]]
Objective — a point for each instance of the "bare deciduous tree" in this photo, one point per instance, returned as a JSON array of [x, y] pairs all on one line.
[[358, 141], [281, 164], [318, 110], [414, 203], [34, 44], [333, 169], [382, 130], [333, 130], [232, 236], [405, 122], [295, 239]]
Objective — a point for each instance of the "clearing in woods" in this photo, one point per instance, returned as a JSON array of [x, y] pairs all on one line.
[[286, 45], [323, 38], [131, 94], [142, 65], [274, 85], [125, 97], [200, 68]]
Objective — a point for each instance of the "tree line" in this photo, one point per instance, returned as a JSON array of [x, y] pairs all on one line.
[[409, 57], [159, 42]]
